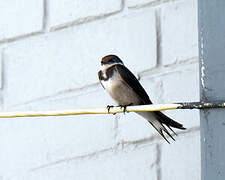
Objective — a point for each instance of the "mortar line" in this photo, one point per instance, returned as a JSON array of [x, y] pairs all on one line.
[[88, 19], [161, 70], [158, 137], [62, 92], [158, 37], [115, 148], [89, 155], [45, 15], [20, 37], [116, 124], [151, 4], [84, 20], [148, 72], [123, 4], [158, 161]]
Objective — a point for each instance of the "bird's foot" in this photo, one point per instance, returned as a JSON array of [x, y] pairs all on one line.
[[125, 107], [109, 107]]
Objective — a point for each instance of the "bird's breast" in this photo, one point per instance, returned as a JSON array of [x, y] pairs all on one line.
[[120, 91], [112, 85]]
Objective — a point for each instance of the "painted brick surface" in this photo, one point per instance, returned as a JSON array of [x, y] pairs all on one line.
[[179, 31], [182, 86], [1, 68], [181, 160], [138, 163], [18, 18], [73, 56], [136, 3], [43, 140], [57, 69], [66, 11]]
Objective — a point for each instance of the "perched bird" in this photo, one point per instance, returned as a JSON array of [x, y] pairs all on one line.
[[125, 89]]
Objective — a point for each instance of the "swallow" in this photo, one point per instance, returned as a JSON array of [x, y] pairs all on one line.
[[125, 89]]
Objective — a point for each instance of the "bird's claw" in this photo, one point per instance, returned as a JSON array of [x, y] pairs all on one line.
[[124, 107], [109, 107]]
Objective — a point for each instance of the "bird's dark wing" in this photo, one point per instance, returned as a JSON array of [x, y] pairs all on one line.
[[132, 81], [100, 77]]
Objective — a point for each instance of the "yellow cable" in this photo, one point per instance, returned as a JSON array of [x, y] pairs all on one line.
[[113, 110]]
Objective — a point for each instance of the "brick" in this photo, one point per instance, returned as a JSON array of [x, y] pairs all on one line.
[[1, 69], [181, 160], [182, 85], [133, 3], [58, 70], [1, 77], [89, 97], [61, 12], [73, 56], [138, 163], [179, 31], [44, 140], [19, 18]]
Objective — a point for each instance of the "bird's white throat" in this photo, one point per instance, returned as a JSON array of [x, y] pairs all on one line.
[[106, 66]]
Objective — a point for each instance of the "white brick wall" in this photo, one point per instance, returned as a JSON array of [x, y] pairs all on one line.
[[179, 39], [139, 3], [182, 161], [119, 164], [70, 11], [69, 54], [50, 53], [20, 17]]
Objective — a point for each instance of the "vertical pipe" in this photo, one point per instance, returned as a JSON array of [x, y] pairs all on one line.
[[211, 19]]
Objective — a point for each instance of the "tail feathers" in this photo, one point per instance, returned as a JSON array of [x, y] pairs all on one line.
[[157, 119], [168, 121], [160, 128], [172, 130]]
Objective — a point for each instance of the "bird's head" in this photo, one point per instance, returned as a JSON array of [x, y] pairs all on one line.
[[110, 60]]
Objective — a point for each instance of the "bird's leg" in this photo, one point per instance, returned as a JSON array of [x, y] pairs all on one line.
[[109, 107], [125, 107]]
